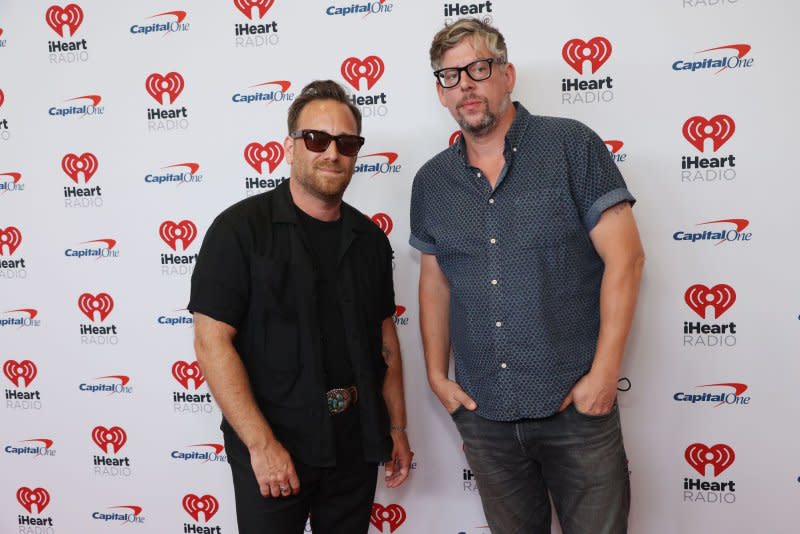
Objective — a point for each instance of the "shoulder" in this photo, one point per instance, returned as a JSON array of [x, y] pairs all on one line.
[[433, 168], [249, 209], [365, 226]]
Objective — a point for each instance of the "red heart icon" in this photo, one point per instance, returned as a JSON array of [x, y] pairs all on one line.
[[597, 51]]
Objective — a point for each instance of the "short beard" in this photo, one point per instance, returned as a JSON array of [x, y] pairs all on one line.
[[486, 124]]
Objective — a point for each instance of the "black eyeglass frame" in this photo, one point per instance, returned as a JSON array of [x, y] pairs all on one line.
[[465, 68], [327, 138]]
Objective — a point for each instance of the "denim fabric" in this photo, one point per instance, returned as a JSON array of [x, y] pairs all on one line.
[[578, 459]]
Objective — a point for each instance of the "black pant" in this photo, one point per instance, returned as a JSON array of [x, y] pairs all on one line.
[[338, 498]]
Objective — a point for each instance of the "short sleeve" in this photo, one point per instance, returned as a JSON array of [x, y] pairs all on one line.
[[387, 304], [420, 237], [221, 279], [595, 180]]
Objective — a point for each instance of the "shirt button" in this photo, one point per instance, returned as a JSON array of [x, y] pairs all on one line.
[[514, 149], [498, 324], [491, 201], [494, 282], [493, 241], [478, 174], [504, 365]]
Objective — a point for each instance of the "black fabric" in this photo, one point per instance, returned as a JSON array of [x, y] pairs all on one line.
[[325, 238], [339, 499], [255, 273]]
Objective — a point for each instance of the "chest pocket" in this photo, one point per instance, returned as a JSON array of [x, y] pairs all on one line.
[[539, 218]]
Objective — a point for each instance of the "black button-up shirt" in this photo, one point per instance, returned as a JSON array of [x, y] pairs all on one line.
[[255, 272], [524, 276]]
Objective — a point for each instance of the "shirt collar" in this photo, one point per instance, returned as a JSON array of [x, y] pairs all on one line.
[[283, 211], [513, 137]]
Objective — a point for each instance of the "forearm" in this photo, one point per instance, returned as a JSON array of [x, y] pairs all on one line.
[[393, 394], [227, 379], [434, 319], [619, 291]]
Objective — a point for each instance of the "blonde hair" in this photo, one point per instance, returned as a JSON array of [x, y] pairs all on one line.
[[483, 36]]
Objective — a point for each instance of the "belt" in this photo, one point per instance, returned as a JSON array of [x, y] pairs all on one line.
[[340, 399]]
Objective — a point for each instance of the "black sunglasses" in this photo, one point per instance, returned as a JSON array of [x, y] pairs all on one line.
[[318, 141]]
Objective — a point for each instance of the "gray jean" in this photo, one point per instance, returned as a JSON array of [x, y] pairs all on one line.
[[579, 459]]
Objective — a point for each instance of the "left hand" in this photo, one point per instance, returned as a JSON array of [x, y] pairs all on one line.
[[593, 394], [399, 465]]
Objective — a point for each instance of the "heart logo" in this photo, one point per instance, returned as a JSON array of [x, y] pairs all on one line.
[[184, 371], [58, 17], [24, 371], [28, 497], [370, 68], [170, 83], [73, 165], [171, 232], [719, 128], [270, 153], [246, 7], [721, 297], [114, 436], [208, 504], [596, 50], [394, 514], [720, 456], [101, 303], [384, 222], [11, 237]]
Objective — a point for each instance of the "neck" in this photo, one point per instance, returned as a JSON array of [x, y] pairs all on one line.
[[323, 209], [490, 144]]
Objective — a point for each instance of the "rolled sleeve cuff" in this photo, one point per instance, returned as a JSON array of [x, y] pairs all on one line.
[[422, 246], [611, 198]]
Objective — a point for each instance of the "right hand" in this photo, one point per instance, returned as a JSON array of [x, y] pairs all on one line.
[[452, 396], [274, 471]]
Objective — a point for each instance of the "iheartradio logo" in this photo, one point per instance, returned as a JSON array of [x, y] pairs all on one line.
[[719, 456], [172, 232], [21, 374], [114, 437], [271, 153], [184, 371], [718, 128], [393, 514], [454, 137], [720, 297], [596, 50], [246, 7], [370, 68], [2, 98], [70, 16], [194, 506], [74, 166], [384, 222], [102, 303], [164, 89], [10, 238], [29, 498]]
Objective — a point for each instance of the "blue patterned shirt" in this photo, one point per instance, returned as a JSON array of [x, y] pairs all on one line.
[[524, 276]]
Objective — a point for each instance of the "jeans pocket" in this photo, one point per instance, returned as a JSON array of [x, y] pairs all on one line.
[[459, 409], [590, 417]]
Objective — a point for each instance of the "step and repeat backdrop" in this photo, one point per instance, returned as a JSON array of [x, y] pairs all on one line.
[[125, 127]]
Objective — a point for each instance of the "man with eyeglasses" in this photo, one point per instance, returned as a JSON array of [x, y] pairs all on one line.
[[529, 275], [293, 300]]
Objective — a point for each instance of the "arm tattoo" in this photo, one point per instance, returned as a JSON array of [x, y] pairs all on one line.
[[386, 353]]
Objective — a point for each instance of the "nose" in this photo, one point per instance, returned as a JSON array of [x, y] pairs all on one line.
[[465, 83]]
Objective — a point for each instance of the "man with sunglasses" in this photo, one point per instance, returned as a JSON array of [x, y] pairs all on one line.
[[293, 301], [529, 274]]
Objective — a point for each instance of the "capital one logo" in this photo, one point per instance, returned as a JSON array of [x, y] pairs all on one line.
[[10, 238], [271, 153], [184, 371], [596, 50], [172, 232], [114, 437], [718, 128], [719, 457], [20, 372], [164, 89], [29, 498], [70, 16], [393, 514], [720, 297], [370, 68], [384, 222], [614, 145], [246, 7], [74, 166], [194, 505], [102, 303]]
